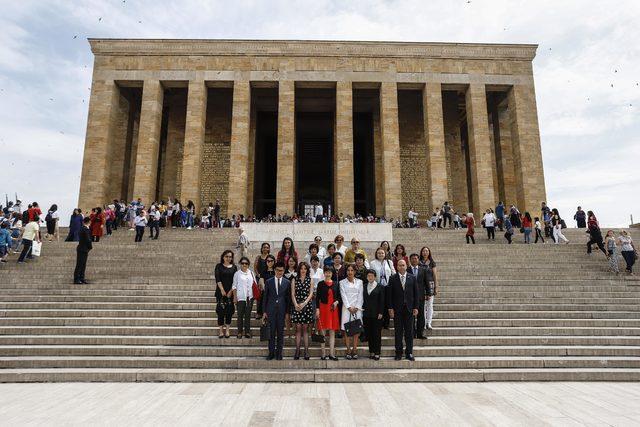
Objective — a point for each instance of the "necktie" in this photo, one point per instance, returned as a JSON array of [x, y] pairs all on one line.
[[278, 287], [415, 271], [402, 280]]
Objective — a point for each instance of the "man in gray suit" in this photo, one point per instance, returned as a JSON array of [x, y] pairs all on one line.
[[275, 302]]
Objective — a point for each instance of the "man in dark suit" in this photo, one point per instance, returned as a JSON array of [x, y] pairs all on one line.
[[421, 281], [82, 251], [275, 302], [403, 308]]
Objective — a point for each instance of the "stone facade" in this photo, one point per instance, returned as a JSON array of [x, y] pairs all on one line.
[[454, 122]]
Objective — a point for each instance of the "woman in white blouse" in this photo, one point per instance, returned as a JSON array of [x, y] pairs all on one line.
[[384, 269], [243, 296], [352, 301]]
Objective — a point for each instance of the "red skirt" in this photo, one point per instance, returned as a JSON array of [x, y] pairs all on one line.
[[329, 319]]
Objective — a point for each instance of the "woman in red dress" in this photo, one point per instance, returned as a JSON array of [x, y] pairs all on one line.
[[470, 222], [97, 221], [327, 313], [399, 253]]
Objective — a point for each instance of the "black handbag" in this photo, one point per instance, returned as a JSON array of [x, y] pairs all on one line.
[[316, 337], [222, 306], [353, 327], [265, 332]]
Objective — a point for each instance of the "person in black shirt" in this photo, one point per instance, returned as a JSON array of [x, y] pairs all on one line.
[[82, 253], [224, 272]]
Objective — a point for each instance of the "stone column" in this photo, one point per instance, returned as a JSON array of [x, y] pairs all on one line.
[[379, 170], [483, 195], [527, 154], [390, 150], [343, 164], [436, 150], [103, 107], [252, 161], [506, 157], [144, 185], [286, 163], [239, 150], [193, 141]]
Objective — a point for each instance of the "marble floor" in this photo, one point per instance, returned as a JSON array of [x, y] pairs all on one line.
[[255, 404]]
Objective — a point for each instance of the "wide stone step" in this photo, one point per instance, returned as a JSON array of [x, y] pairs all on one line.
[[209, 330], [314, 351], [211, 322], [212, 340], [43, 362], [317, 375]]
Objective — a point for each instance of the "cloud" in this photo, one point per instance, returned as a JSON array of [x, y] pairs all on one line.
[[588, 128]]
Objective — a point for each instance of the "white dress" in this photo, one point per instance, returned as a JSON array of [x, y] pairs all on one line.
[[351, 294]]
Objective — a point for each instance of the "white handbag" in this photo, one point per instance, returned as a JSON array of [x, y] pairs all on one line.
[[36, 248]]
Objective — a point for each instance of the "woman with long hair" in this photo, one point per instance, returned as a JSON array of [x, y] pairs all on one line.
[[290, 273], [526, 226], [431, 272], [351, 292], [243, 296], [52, 223], [75, 225], [302, 313], [260, 267], [399, 253], [470, 223], [384, 269], [387, 249], [224, 273], [612, 251], [595, 234], [287, 251]]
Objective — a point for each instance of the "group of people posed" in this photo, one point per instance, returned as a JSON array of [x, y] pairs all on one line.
[[327, 293]]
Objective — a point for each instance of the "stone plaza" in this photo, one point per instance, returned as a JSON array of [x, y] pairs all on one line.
[[275, 126]]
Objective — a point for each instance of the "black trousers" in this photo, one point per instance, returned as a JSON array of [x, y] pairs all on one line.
[[539, 236], [508, 236], [403, 325], [373, 329], [446, 216], [276, 334], [420, 320], [597, 242], [629, 259], [81, 266], [470, 236], [139, 233], [26, 250], [491, 233], [155, 225], [108, 224]]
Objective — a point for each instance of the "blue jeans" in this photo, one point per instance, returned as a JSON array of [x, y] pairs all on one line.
[[527, 234]]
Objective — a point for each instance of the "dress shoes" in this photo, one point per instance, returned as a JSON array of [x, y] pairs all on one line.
[[410, 357], [85, 282], [271, 357], [398, 357], [279, 357], [78, 282]]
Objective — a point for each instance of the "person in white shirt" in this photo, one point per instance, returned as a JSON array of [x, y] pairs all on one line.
[[242, 287], [413, 218], [316, 272], [339, 240], [154, 222], [538, 226], [319, 212], [489, 220], [351, 292], [384, 269], [322, 252], [140, 221], [313, 251], [30, 232], [243, 243]]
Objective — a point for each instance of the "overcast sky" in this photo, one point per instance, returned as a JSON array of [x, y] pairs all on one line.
[[587, 74]]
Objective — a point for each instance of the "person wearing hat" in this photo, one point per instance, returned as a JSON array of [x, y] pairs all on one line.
[[373, 307]]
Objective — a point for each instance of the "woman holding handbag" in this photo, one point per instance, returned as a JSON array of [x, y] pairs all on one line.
[[374, 306], [628, 250], [302, 313], [383, 267], [243, 283], [352, 300], [224, 272], [327, 302]]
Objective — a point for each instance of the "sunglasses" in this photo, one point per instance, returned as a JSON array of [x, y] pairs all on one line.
[[244, 263], [269, 260]]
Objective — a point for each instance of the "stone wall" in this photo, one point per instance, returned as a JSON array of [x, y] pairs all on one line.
[[413, 153], [215, 155]]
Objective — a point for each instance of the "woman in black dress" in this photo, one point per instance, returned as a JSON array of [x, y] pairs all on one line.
[[260, 266], [302, 313], [224, 272]]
